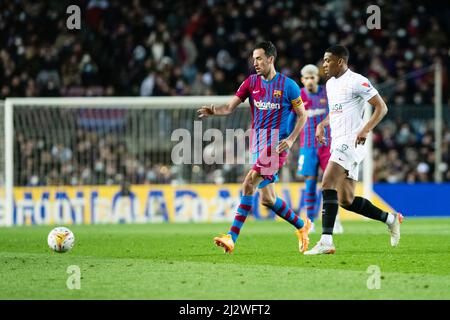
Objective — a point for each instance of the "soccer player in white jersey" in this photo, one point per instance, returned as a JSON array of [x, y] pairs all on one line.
[[347, 92]]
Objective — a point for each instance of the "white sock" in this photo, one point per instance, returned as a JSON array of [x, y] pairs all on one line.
[[327, 239], [390, 219]]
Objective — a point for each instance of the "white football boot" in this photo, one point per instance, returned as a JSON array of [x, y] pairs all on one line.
[[394, 228], [321, 248]]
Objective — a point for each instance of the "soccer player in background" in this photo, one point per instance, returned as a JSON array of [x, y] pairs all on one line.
[[312, 153], [347, 93], [272, 97]]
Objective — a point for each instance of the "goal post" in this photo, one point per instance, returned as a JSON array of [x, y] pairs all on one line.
[[9, 161], [3, 217]]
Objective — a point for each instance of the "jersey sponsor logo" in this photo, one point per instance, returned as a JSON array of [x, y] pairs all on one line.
[[336, 108], [266, 105], [297, 102], [277, 94]]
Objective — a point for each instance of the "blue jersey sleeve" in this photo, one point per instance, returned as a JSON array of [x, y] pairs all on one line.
[[294, 96], [293, 93]]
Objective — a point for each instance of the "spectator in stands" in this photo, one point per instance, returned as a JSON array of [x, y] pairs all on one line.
[[154, 48], [115, 45]]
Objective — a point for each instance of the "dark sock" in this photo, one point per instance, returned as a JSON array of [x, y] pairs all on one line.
[[330, 210], [366, 208]]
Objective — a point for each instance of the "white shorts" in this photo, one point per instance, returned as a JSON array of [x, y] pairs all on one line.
[[344, 153]]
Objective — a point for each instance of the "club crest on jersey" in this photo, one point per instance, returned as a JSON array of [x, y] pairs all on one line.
[[323, 101], [277, 94]]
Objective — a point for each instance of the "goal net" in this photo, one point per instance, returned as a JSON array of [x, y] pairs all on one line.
[[60, 143]]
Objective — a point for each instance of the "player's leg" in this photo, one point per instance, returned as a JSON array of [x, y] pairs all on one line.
[[364, 207], [308, 165], [333, 176], [228, 241], [311, 199], [282, 209], [324, 154]]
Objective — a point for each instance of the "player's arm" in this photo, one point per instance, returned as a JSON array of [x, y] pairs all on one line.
[[241, 95], [320, 129], [222, 110], [380, 110], [299, 109]]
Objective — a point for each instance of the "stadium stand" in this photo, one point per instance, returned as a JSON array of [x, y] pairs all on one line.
[[186, 49]]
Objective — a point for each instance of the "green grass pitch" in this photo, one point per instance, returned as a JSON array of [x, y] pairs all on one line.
[[179, 261]]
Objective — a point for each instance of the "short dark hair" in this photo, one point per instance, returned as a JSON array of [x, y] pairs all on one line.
[[268, 47], [339, 51]]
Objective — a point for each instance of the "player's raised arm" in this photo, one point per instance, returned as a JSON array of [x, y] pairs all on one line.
[[222, 110], [241, 95], [380, 110]]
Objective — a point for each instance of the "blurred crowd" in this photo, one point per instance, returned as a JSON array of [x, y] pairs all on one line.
[[90, 159], [405, 152], [173, 48], [167, 48]]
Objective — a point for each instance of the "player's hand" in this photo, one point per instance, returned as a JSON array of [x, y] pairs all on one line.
[[205, 111], [284, 145], [320, 134], [361, 137]]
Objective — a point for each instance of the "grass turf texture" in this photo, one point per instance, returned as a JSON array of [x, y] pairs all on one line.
[[179, 261]]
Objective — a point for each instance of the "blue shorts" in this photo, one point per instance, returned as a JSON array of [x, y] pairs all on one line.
[[311, 158]]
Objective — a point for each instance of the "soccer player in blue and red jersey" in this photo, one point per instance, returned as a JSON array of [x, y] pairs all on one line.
[[312, 153], [272, 97]]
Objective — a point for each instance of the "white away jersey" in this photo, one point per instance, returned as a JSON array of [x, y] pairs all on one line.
[[346, 98]]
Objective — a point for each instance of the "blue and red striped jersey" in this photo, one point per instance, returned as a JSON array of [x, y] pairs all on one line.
[[271, 103], [316, 106]]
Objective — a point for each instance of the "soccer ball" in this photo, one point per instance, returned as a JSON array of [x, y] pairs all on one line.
[[61, 239]]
